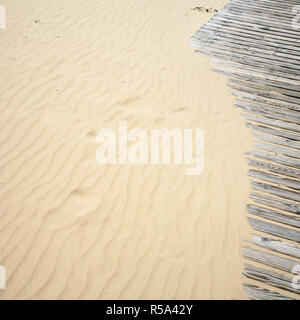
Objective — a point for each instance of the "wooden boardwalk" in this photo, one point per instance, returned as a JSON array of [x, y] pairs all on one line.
[[257, 46]]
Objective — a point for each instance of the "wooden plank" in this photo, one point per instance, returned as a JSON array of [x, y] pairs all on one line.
[[269, 111], [252, 62], [265, 94], [283, 74], [290, 54], [277, 140], [275, 158], [212, 34], [274, 179], [272, 6], [266, 86], [274, 215], [277, 191], [275, 230], [250, 32], [280, 104], [280, 63], [273, 123], [269, 108], [269, 277], [257, 293], [274, 131], [278, 150], [251, 22], [270, 167], [277, 246], [254, 44], [292, 207], [217, 27], [268, 259], [282, 7], [229, 22], [239, 66], [270, 13]]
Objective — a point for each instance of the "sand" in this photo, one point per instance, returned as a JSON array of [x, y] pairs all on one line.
[[73, 229]]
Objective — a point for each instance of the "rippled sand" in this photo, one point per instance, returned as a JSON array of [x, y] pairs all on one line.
[[71, 228]]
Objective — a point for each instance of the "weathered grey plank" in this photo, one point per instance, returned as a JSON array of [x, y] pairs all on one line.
[[268, 112], [271, 278], [270, 12], [274, 179], [277, 246], [280, 104], [213, 34], [234, 42], [262, 6], [273, 123], [274, 132], [279, 192], [269, 108], [274, 215], [289, 152], [252, 22], [275, 158], [265, 31], [219, 27], [289, 206], [272, 260], [283, 88], [280, 64], [281, 6], [257, 293], [251, 63], [270, 167], [278, 140], [277, 31], [264, 94], [274, 229]]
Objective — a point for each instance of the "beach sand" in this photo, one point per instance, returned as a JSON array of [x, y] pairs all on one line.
[[73, 229]]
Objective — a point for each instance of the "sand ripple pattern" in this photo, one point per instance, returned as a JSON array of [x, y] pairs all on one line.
[[72, 229]]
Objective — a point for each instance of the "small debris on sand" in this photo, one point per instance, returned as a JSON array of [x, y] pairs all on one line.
[[202, 9]]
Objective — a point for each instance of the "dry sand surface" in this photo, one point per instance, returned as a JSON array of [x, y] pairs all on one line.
[[71, 228]]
